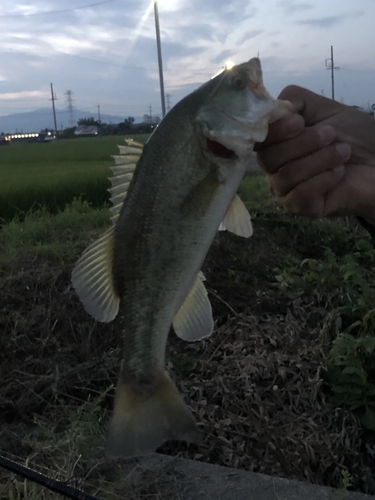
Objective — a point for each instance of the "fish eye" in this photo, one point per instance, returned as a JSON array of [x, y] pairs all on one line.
[[238, 83]]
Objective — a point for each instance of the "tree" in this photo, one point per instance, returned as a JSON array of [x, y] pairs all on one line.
[[88, 121]]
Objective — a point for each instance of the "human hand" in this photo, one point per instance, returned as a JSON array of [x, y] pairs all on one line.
[[321, 162]]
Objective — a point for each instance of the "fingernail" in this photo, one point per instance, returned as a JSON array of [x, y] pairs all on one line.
[[344, 150], [293, 124], [326, 134], [340, 170]]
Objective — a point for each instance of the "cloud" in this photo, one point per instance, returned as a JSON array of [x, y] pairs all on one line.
[[328, 21], [250, 35], [107, 53], [25, 94], [292, 6], [221, 57]]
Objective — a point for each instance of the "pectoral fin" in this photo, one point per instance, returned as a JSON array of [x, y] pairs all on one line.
[[237, 219], [193, 320]]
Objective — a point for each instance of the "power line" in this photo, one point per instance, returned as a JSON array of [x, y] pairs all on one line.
[[57, 11]]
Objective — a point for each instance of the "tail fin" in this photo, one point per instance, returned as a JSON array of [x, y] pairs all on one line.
[[142, 422]]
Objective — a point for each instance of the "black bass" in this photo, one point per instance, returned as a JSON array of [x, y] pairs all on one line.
[[169, 199]]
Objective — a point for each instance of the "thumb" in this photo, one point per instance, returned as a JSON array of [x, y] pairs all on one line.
[[313, 107]]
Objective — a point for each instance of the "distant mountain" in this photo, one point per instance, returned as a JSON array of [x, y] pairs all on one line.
[[39, 119]]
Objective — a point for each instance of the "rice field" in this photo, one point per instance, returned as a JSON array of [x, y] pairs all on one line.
[[51, 175]]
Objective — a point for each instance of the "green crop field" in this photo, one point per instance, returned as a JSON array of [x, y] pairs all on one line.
[[50, 175]]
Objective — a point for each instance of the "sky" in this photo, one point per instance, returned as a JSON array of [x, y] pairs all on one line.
[[104, 51]]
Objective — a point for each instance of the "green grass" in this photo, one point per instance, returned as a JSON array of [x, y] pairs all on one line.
[[51, 175], [56, 236]]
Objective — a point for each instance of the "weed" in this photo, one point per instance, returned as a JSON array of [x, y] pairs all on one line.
[[351, 376], [349, 280], [57, 236]]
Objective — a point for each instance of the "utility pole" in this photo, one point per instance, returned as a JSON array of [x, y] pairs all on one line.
[[150, 108], [168, 102], [99, 113], [54, 98], [158, 43], [331, 66]]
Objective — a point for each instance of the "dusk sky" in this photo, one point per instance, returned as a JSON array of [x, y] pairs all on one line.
[[105, 51]]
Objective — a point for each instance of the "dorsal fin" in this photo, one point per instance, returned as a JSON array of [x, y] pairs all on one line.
[[92, 275], [123, 172]]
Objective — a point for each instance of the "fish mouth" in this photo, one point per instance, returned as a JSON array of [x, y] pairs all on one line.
[[219, 150]]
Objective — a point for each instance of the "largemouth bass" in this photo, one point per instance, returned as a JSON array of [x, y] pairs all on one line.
[[169, 199]]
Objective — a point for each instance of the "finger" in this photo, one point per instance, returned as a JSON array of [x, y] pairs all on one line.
[[308, 198], [310, 140], [282, 130], [295, 172], [355, 195], [296, 95], [313, 107]]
